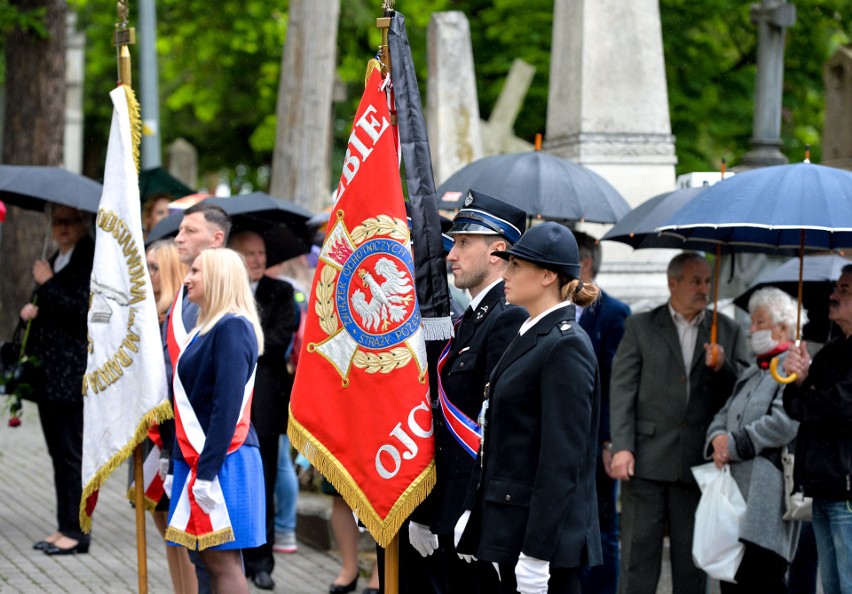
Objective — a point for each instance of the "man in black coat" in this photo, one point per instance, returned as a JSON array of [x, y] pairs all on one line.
[[604, 323], [489, 324], [279, 320]]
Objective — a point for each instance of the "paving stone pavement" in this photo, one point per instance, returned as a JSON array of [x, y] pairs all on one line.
[[27, 514]]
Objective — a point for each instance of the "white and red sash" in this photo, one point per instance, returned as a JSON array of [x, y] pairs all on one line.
[[189, 525], [466, 431]]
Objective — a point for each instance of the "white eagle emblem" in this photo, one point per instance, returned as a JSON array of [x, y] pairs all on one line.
[[389, 298]]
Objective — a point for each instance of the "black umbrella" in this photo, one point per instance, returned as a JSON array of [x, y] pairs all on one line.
[[819, 275], [543, 185], [159, 181], [33, 186], [282, 225], [638, 227]]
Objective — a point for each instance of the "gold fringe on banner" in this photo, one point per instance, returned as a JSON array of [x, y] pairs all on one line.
[[135, 123], [372, 64], [205, 541], [158, 414], [150, 504], [382, 530]]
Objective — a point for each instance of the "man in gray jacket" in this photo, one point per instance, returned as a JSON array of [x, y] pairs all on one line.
[[667, 383]]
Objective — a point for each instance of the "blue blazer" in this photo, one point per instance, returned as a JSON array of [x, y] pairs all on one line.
[[604, 321], [214, 369]]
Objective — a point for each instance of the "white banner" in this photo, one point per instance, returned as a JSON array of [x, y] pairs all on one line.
[[124, 388]]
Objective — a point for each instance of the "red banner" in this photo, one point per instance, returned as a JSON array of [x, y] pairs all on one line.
[[360, 407]]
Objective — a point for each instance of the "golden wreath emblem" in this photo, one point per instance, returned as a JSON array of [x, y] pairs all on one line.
[[365, 299]]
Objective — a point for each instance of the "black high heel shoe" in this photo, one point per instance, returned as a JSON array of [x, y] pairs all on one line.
[[81, 548], [343, 589]]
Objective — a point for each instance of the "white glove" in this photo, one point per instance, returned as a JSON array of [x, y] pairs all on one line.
[[164, 468], [204, 496], [532, 575], [167, 485], [457, 535], [422, 539]]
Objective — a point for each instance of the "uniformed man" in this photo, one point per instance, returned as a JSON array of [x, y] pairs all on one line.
[[484, 225]]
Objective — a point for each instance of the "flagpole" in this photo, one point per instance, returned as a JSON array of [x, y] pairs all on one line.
[[125, 36], [392, 550]]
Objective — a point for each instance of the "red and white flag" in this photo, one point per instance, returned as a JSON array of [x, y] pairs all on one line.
[[360, 409]]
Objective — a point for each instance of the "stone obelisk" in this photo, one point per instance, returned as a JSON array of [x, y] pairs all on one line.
[[608, 109]]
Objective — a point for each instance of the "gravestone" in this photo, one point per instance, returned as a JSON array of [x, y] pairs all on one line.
[[773, 18], [837, 133], [498, 134], [452, 108], [608, 109], [183, 162]]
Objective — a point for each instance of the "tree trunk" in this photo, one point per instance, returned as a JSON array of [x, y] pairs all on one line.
[[34, 127], [300, 166]]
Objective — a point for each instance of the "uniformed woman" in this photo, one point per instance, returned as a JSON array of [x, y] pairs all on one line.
[[533, 509]]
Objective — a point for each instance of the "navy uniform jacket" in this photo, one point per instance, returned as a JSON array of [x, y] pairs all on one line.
[[479, 343], [214, 369], [604, 321], [536, 493], [276, 306]]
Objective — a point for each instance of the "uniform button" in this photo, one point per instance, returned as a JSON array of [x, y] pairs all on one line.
[[461, 364], [508, 497]]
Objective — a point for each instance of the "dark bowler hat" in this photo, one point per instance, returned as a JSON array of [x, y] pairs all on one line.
[[483, 215], [549, 245]]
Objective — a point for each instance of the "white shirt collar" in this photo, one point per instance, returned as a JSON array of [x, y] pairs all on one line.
[[474, 303], [530, 322]]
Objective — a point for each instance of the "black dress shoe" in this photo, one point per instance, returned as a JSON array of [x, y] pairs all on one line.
[[42, 545], [81, 547], [343, 589], [263, 580]]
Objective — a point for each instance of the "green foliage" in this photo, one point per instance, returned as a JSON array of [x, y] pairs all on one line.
[[220, 62], [12, 18]]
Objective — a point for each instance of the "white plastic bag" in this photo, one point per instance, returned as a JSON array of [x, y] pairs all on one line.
[[716, 547]]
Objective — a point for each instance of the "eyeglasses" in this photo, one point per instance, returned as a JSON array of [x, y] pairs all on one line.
[[66, 222], [842, 290]]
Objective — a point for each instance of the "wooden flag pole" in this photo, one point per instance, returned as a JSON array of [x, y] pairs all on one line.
[[125, 36], [141, 543], [392, 550]]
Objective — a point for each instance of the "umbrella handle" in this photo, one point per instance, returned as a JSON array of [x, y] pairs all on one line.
[[773, 369]]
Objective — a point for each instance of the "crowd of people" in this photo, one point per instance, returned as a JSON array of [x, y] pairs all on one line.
[[577, 404]]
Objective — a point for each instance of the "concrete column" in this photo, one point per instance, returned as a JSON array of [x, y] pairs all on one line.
[[149, 98], [75, 74], [773, 18], [837, 131], [608, 109], [452, 107]]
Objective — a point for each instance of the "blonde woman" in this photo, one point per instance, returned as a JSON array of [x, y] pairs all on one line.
[[167, 274], [217, 494], [534, 510]]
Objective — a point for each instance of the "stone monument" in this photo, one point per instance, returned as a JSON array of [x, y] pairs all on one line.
[[608, 109], [773, 18], [452, 108], [837, 132], [75, 74]]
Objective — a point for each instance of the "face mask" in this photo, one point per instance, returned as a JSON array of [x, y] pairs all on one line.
[[761, 342]]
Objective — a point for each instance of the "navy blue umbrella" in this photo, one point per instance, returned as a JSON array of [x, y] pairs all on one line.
[[543, 185], [33, 186], [784, 209], [770, 209], [638, 228]]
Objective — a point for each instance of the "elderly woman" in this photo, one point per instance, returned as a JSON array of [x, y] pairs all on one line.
[[748, 433], [58, 340]]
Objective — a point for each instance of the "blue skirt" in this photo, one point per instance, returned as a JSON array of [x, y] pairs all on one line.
[[241, 478]]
